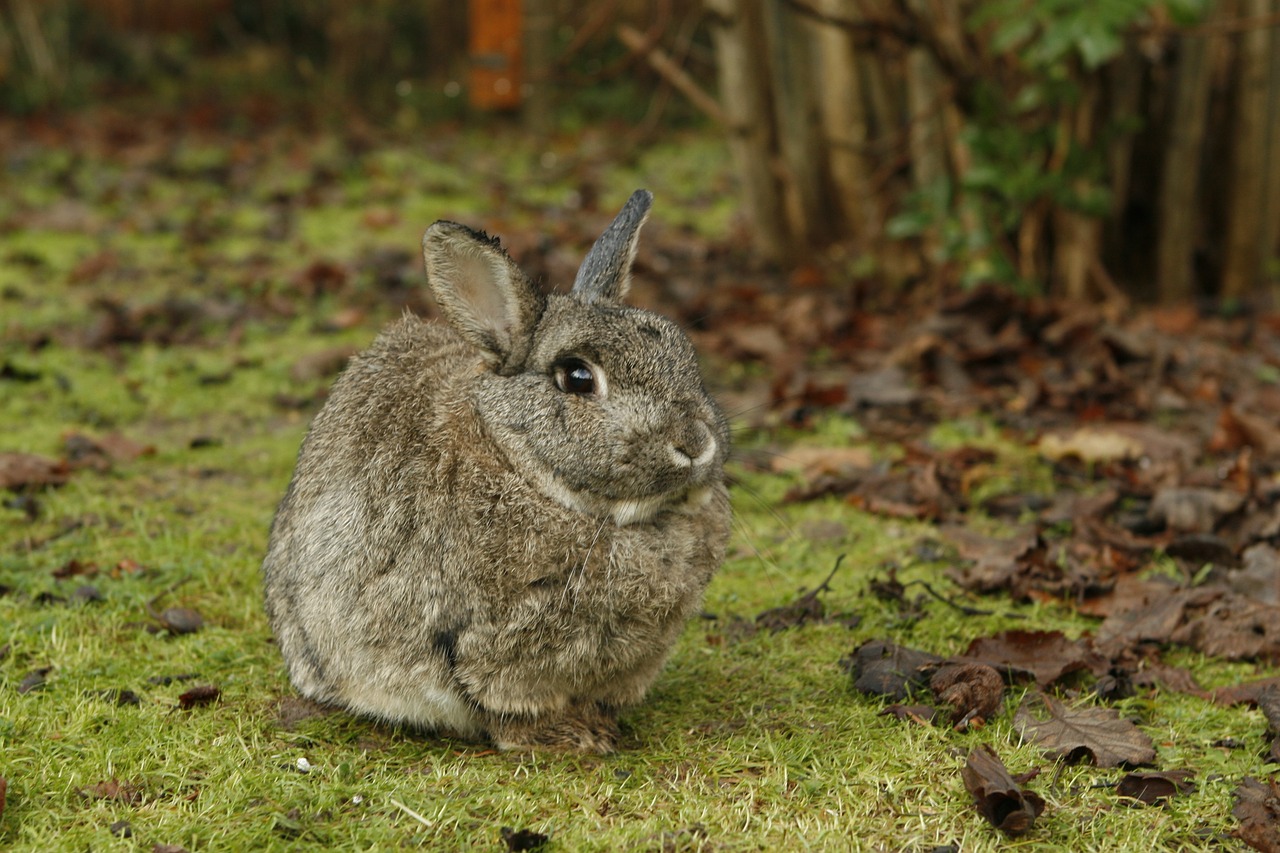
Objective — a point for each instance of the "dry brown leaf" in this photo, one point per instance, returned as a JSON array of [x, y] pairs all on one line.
[[995, 560], [1258, 810], [1152, 786], [1234, 628], [205, 694], [973, 690], [999, 797], [19, 470], [920, 714], [1095, 733], [1193, 510], [1090, 445], [1249, 692], [818, 461], [125, 792], [34, 679], [884, 669], [1046, 655]]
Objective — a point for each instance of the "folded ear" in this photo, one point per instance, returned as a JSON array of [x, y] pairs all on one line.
[[605, 273], [483, 295]]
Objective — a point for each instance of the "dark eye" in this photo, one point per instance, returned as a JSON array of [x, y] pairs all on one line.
[[575, 377]]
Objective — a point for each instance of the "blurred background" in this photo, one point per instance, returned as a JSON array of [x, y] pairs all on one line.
[[1097, 150]]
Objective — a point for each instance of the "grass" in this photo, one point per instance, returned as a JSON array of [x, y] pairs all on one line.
[[746, 742]]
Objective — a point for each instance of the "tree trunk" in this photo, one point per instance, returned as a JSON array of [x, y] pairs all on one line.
[[1179, 207], [804, 174], [744, 94], [1243, 266], [844, 122], [1270, 238]]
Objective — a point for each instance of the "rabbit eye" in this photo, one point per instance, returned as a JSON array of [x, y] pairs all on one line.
[[575, 377]]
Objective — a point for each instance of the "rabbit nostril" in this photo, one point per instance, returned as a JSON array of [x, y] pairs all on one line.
[[696, 447]]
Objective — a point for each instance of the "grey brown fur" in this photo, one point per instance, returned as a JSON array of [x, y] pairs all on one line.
[[468, 546]]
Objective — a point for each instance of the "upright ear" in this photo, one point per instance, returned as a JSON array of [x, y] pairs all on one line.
[[605, 274], [483, 295]]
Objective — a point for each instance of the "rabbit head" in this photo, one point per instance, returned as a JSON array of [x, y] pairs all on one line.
[[601, 404]]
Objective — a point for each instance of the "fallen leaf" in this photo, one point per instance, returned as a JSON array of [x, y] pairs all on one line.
[[884, 669], [121, 829], [522, 839], [995, 560], [168, 848], [1090, 445], [1201, 548], [101, 453], [1258, 579], [884, 387], [1269, 704], [754, 341], [20, 470], [1152, 786], [814, 462], [205, 694], [179, 620], [73, 568], [1258, 810], [1234, 628], [973, 690], [1193, 510], [806, 608], [1244, 428], [1247, 692], [34, 679], [999, 797], [922, 714], [85, 594], [1047, 655], [1095, 733], [126, 792], [1152, 613]]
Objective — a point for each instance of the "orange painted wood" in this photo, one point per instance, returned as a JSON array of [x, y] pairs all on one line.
[[494, 52]]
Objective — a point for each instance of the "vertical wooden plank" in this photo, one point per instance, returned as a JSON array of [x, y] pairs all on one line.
[[744, 95], [494, 45], [1180, 203], [805, 178], [1246, 185], [845, 124], [1270, 238]]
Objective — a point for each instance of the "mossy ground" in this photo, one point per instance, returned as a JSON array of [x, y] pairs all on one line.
[[746, 742]]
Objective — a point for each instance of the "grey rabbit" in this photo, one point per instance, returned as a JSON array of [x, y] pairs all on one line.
[[499, 525]]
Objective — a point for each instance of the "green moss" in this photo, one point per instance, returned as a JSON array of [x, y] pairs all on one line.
[[747, 742]]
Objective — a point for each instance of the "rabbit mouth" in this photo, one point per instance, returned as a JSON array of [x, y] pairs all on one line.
[[629, 510], [640, 510]]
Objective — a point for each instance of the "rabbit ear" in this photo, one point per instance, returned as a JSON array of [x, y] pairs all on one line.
[[606, 271], [482, 293]]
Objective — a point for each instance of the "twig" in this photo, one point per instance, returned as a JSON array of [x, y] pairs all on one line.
[[963, 608], [672, 73], [410, 812]]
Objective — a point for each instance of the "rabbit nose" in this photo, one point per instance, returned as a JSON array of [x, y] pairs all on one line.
[[696, 447]]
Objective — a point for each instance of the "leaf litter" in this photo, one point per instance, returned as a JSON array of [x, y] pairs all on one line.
[[1080, 387]]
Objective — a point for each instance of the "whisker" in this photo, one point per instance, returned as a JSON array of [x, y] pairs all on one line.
[[582, 568]]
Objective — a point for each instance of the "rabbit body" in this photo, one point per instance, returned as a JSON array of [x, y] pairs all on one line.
[[499, 526]]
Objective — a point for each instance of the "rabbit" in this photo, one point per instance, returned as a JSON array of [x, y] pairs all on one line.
[[498, 525]]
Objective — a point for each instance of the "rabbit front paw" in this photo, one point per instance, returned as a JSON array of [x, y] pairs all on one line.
[[588, 728]]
